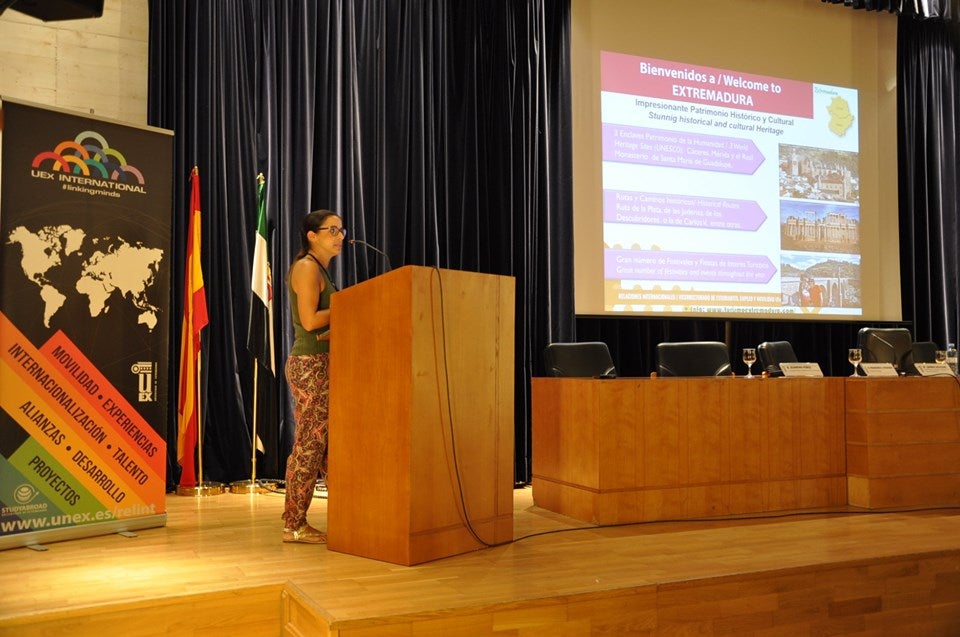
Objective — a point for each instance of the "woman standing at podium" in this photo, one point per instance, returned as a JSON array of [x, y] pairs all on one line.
[[310, 287]]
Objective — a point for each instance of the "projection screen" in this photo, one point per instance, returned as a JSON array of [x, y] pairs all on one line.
[[734, 158]]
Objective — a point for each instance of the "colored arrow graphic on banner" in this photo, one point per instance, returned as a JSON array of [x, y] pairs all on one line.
[[69, 424], [141, 442], [44, 489]]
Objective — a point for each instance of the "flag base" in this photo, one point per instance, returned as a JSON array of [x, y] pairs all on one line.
[[247, 486], [203, 489]]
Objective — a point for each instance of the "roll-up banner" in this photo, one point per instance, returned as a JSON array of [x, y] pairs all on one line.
[[85, 225]]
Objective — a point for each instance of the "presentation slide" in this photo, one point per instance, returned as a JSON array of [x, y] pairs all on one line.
[[727, 192], [734, 159]]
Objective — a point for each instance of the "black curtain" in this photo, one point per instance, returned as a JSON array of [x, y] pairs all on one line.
[[928, 106], [929, 113], [442, 135], [945, 9], [439, 133], [202, 80]]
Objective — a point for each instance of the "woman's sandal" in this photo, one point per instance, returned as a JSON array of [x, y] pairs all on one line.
[[306, 534]]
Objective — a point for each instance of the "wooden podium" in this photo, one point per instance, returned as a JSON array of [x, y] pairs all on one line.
[[421, 415]]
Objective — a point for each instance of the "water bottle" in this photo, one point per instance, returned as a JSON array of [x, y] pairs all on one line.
[[952, 357]]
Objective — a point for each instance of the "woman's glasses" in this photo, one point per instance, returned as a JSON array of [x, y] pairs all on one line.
[[334, 230]]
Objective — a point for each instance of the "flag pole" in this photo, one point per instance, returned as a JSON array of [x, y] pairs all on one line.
[[202, 488], [253, 438], [199, 421], [252, 485], [194, 276]]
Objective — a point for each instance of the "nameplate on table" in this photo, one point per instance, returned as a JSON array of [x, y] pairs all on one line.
[[880, 370], [933, 369], [801, 370]]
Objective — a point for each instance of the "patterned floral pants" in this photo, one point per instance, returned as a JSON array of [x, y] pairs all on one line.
[[309, 381]]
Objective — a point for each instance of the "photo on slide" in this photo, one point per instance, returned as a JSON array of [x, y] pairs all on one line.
[[818, 227], [811, 281], [819, 173]]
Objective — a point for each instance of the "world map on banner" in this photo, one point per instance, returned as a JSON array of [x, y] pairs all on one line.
[[62, 260]]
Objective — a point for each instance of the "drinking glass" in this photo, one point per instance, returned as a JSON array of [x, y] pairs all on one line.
[[940, 356], [855, 356], [749, 358]]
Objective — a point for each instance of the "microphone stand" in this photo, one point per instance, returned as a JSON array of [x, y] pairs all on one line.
[[375, 249]]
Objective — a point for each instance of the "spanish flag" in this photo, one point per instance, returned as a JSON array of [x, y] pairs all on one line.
[[194, 320]]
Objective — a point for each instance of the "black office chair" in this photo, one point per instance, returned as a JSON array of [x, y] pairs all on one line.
[[884, 344], [584, 360], [772, 353], [920, 352], [693, 358]]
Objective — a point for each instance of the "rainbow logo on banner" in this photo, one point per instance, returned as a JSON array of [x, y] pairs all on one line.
[[89, 154]]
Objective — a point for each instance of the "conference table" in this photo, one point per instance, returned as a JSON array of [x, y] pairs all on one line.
[[623, 450], [903, 441]]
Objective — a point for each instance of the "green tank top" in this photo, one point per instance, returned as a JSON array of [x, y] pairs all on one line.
[[304, 341]]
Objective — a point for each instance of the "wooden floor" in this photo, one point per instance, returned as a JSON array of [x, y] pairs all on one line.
[[218, 568]]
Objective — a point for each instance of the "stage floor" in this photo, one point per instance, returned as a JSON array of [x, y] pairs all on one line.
[[218, 567]]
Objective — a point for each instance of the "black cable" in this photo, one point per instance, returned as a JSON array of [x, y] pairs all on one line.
[[453, 441], [748, 518], [320, 490], [744, 518], [770, 516], [775, 515]]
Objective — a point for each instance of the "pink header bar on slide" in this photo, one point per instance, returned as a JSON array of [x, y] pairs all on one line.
[[633, 75]]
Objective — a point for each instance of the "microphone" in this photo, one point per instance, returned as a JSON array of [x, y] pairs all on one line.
[[896, 356], [374, 248], [889, 345]]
